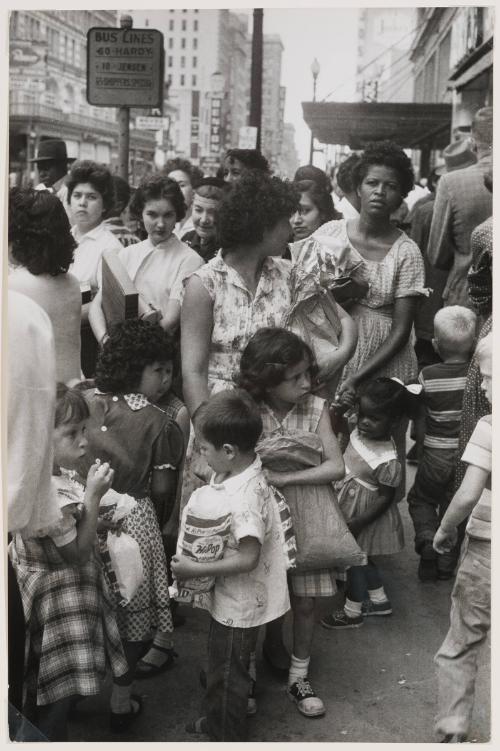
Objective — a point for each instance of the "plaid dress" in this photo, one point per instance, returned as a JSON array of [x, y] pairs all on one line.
[[72, 635], [303, 416]]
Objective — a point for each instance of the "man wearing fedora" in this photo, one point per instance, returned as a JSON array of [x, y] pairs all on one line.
[[462, 202], [52, 164]]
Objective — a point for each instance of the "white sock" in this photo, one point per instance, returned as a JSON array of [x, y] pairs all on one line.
[[252, 667], [298, 669], [163, 639], [377, 595], [120, 699], [352, 608]]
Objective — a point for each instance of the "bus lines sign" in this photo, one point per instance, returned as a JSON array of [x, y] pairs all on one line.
[[125, 67]]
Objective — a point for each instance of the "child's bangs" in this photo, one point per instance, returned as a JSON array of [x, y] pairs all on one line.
[[71, 408]]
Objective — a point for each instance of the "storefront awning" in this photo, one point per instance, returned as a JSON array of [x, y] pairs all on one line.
[[411, 125]]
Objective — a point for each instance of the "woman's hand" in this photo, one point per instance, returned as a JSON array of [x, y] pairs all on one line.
[[347, 392], [444, 541], [183, 568], [108, 525], [99, 479], [278, 479]]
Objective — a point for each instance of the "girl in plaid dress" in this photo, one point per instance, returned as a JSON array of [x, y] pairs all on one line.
[[277, 368], [71, 628]]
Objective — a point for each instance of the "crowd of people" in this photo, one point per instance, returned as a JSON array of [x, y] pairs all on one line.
[[241, 443]]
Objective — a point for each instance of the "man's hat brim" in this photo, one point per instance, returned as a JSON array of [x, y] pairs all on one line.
[[67, 159]]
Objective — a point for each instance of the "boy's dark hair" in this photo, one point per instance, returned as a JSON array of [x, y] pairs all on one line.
[[71, 406], [390, 397], [39, 232], [132, 344], [250, 158], [152, 189], [230, 417], [98, 175], [266, 358], [253, 204]]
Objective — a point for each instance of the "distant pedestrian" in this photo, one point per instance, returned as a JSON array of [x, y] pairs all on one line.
[[441, 403], [237, 162], [187, 176], [315, 208], [52, 164], [457, 657], [114, 221], [204, 237], [350, 203]]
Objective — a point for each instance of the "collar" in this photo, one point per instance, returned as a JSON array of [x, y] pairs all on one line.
[[93, 234], [233, 484], [134, 401], [265, 285]]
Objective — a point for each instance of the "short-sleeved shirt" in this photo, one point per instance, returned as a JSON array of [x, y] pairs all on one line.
[[259, 596], [159, 270], [87, 264], [67, 494], [442, 394], [478, 454], [134, 436]]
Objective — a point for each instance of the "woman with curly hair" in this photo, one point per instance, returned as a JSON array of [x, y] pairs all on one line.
[[238, 162], [40, 253], [144, 447], [391, 264], [187, 177], [157, 265]]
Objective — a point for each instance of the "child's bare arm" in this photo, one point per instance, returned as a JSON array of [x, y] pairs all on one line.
[[332, 467], [377, 508], [463, 502], [244, 559]]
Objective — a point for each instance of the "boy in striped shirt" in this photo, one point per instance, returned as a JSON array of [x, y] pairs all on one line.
[[471, 597], [442, 396]]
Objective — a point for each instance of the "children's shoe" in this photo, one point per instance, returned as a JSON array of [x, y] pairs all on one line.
[[121, 722], [251, 702], [376, 608], [306, 700], [341, 620], [454, 738]]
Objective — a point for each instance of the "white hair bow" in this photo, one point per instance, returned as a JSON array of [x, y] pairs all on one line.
[[412, 388]]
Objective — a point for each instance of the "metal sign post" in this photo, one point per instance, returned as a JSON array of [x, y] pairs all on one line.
[[125, 68]]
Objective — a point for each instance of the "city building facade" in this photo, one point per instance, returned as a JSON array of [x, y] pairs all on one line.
[[273, 100]]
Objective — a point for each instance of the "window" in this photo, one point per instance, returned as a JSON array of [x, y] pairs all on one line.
[[183, 43], [195, 24], [193, 81], [170, 43], [195, 62], [195, 44], [183, 62], [171, 24], [170, 61], [184, 24], [182, 79]]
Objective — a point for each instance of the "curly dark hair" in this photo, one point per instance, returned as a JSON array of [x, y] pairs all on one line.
[[387, 154], [253, 204], [184, 165], [71, 406], [39, 232], [132, 344], [389, 396], [344, 173], [250, 158], [317, 175], [266, 358], [231, 417], [320, 198], [153, 188], [98, 175]]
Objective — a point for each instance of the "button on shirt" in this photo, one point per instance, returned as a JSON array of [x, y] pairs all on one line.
[[91, 245], [259, 596]]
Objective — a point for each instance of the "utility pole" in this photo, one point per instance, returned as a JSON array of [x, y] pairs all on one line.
[[124, 121], [315, 73], [256, 75]]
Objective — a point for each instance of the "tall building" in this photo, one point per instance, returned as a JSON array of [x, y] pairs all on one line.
[[47, 90], [288, 161], [273, 99], [208, 73], [384, 68]]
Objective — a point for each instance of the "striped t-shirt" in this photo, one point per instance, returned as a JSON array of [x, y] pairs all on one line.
[[478, 453], [443, 392]]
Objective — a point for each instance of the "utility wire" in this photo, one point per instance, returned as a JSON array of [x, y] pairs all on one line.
[[400, 84], [402, 75], [377, 57]]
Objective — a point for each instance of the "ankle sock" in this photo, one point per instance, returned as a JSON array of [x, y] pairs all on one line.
[[352, 608], [377, 595], [156, 657], [252, 667], [120, 699], [298, 669]]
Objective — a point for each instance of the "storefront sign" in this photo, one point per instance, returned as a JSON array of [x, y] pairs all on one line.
[[27, 65], [125, 67], [215, 125]]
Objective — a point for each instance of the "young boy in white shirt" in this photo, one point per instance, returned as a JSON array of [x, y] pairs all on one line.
[[250, 585]]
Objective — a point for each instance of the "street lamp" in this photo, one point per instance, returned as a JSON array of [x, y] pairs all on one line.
[[315, 73]]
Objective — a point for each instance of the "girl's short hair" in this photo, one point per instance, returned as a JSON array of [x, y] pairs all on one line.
[[154, 188], [184, 165], [389, 396], [254, 203], [132, 345], [484, 349], [249, 158], [320, 198], [39, 232], [211, 187], [71, 406], [99, 176], [266, 358], [230, 417], [386, 154]]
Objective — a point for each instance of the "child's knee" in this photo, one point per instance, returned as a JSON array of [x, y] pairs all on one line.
[[303, 606]]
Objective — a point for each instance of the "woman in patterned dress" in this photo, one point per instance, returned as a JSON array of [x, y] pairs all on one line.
[[392, 266], [144, 447]]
